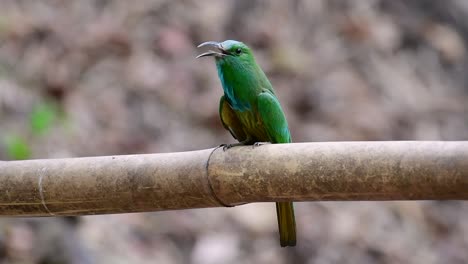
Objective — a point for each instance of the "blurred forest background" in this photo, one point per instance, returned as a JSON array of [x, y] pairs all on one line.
[[100, 77]]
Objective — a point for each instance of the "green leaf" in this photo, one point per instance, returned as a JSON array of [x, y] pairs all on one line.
[[42, 118], [17, 148]]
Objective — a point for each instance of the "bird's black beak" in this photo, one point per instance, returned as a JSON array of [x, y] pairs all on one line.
[[220, 53]]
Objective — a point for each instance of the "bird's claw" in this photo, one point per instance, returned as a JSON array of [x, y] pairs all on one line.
[[258, 144], [225, 146]]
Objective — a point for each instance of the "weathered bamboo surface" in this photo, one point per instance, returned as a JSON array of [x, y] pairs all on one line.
[[397, 170]]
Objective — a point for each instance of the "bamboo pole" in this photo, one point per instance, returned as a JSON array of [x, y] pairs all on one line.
[[210, 178]]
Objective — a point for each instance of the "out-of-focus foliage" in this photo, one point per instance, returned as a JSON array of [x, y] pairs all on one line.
[[17, 148], [42, 118], [124, 75]]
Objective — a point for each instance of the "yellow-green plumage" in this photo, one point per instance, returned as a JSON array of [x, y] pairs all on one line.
[[251, 112]]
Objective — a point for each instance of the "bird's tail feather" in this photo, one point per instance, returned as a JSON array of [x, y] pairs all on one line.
[[286, 223]]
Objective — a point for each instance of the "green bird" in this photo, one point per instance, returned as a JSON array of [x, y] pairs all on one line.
[[250, 111]]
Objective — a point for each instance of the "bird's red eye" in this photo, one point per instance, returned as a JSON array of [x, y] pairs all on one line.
[[238, 50]]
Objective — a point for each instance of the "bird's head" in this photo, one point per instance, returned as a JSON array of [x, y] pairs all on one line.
[[228, 51], [235, 64]]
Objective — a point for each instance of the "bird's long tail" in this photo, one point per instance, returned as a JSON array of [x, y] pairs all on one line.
[[286, 223]]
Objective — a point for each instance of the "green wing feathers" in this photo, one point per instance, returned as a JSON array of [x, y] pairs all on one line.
[[273, 118], [276, 126]]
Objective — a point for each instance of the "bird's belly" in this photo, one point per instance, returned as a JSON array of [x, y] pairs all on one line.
[[252, 126]]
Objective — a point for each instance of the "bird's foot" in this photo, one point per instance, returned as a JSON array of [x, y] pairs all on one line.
[[228, 146], [225, 146], [258, 144]]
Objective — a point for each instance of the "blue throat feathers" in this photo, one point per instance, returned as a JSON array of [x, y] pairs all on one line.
[[229, 92]]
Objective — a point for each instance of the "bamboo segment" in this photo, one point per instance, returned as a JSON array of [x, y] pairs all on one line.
[[397, 170], [404, 170], [100, 185]]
